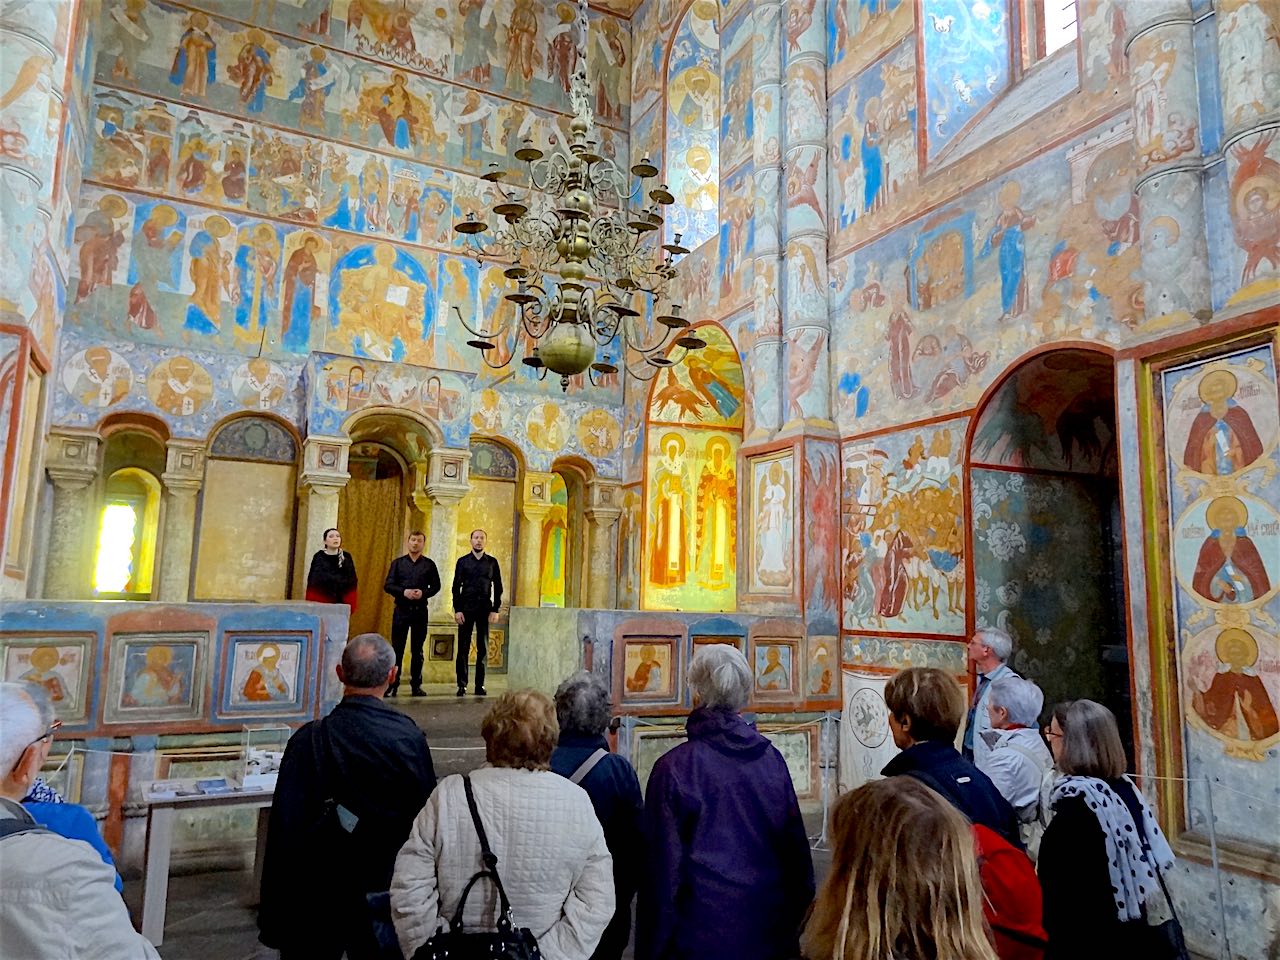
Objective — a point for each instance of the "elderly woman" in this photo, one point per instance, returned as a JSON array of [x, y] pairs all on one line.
[[1096, 871], [729, 873], [551, 851], [582, 707], [926, 706], [1019, 760]]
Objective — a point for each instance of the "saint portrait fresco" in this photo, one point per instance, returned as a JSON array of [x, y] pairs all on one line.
[[1223, 419]]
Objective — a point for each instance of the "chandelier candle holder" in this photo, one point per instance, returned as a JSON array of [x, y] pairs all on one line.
[[580, 269]]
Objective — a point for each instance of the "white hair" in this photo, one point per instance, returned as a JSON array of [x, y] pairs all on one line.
[[22, 720], [1021, 698], [719, 676], [1001, 643]]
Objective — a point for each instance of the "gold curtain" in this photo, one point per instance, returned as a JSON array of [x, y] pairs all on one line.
[[371, 516]]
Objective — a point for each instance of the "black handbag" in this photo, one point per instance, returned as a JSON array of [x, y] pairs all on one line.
[[1165, 941], [508, 942]]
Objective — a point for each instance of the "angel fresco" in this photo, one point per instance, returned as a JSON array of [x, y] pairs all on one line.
[[1255, 204]]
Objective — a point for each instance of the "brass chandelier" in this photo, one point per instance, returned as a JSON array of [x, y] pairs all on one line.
[[580, 272]]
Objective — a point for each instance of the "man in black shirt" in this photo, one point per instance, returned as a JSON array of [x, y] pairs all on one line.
[[349, 788], [477, 596], [413, 580]]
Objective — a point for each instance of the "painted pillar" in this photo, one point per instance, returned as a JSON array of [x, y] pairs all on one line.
[[1168, 187], [1249, 81], [806, 322], [448, 473], [604, 507], [764, 370], [71, 460], [534, 507], [182, 478], [324, 474]]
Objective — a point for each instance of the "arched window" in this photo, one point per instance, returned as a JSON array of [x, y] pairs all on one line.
[[693, 126], [128, 527], [245, 547], [128, 522]]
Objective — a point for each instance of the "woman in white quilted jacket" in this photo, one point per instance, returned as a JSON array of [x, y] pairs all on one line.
[[550, 847]]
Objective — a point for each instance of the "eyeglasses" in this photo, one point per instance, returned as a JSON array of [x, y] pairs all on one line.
[[48, 734], [1049, 733]]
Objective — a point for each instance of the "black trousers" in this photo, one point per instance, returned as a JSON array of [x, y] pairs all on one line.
[[479, 619], [411, 623]]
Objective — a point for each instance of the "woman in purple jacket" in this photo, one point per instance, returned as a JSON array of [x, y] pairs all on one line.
[[729, 873]]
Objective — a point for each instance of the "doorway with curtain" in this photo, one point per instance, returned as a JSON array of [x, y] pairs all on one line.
[[372, 517]]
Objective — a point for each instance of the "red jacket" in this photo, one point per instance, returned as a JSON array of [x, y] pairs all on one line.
[[1011, 899]]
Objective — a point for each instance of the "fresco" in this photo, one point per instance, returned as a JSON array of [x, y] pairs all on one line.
[[872, 137], [737, 110], [902, 554], [1044, 579], [1055, 412], [773, 493], [690, 535], [553, 550], [1221, 428], [1014, 259], [898, 654], [1253, 168], [693, 126], [858, 31], [821, 511], [965, 52], [706, 389], [190, 390]]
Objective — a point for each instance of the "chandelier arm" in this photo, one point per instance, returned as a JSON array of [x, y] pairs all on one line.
[[633, 342], [480, 334]]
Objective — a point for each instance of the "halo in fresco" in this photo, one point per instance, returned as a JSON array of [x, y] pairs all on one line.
[[599, 433], [258, 384], [97, 377], [1231, 687], [1226, 550], [1223, 420], [179, 386]]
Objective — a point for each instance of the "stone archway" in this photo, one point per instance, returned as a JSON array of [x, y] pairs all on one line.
[[1045, 540]]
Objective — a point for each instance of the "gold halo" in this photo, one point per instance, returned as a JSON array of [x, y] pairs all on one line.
[[113, 205], [1213, 377], [317, 54], [1221, 505], [45, 657], [666, 441], [1233, 636], [217, 226]]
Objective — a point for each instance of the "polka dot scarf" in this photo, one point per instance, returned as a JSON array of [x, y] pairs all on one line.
[[1133, 876]]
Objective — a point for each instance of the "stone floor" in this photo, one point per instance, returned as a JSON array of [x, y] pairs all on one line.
[[210, 916]]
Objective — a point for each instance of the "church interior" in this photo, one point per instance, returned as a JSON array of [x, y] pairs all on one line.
[[866, 324]]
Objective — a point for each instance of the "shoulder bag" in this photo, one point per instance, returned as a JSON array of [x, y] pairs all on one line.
[[1165, 940], [508, 942]]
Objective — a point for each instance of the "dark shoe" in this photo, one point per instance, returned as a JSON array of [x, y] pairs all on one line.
[[391, 692], [417, 692], [462, 691], [480, 691]]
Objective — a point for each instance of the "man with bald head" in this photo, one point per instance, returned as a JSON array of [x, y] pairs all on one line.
[[43, 872], [350, 785]]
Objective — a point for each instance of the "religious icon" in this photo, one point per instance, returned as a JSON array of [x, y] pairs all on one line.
[[648, 669], [154, 268], [381, 298], [1223, 439], [97, 377], [1009, 234], [265, 681], [1236, 704], [1229, 568], [717, 516], [822, 670], [773, 667], [210, 272], [44, 661], [179, 386], [158, 682], [773, 523], [258, 384], [100, 239], [195, 64], [544, 428], [669, 546], [300, 306]]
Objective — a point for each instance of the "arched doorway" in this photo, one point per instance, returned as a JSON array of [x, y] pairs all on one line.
[[562, 552], [1047, 555], [376, 510]]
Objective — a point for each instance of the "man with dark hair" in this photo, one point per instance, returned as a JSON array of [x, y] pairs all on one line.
[[413, 580], [350, 785], [477, 597]]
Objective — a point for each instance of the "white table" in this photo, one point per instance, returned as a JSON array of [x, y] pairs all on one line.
[[161, 813]]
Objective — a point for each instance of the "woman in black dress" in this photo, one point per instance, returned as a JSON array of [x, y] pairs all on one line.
[[332, 578]]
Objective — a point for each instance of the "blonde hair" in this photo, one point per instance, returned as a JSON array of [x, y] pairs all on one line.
[[903, 882], [521, 730]]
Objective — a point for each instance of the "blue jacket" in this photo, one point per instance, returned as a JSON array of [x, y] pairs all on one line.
[[74, 822], [614, 790], [938, 765], [729, 875]]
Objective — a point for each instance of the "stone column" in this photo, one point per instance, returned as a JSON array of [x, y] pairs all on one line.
[[182, 478], [806, 324], [535, 504], [447, 483], [71, 459], [604, 507], [1168, 187], [764, 372], [1249, 81], [323, 476]]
